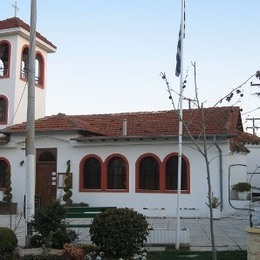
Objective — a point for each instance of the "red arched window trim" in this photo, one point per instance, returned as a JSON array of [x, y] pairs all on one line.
[[24, 63], [6, 69], [81, 170], [8, 165], [137, 173], [106, 166], [39, 67], [40, 78], [4, 110], [188, 172]]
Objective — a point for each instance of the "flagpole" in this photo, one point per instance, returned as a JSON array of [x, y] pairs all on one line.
[[177, 244]]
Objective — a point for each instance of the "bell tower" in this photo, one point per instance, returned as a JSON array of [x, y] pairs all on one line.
[[14, 59]]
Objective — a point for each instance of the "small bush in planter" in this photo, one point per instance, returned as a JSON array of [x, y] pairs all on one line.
[[119, 232], [242, 186], [8, 240], [214, 202], [68, 185], [51, 227]]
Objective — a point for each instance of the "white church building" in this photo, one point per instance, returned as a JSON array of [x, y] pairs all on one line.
[[122, 160]]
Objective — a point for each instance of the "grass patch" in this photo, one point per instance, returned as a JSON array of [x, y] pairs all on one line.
[[184, 255]]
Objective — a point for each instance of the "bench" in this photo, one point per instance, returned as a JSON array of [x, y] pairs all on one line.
[[84, 213]]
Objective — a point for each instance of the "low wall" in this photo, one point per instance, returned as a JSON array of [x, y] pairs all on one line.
[[253, 243]]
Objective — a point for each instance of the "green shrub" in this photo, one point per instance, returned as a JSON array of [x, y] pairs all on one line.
[[119, 232], [242, 186], [7, 193], [8, 240], [51, 227], [68, 185]]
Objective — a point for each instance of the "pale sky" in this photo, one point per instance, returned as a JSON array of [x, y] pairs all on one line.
[[110, 52]]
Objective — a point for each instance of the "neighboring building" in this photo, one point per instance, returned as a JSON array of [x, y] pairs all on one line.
[[123, 160]]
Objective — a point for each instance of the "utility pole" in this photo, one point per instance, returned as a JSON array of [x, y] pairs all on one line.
[[30, 128]]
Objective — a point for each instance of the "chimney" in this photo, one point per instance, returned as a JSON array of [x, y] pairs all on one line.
[[124, 127]]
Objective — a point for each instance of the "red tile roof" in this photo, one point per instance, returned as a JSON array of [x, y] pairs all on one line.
[[15, 22], [218, 121]]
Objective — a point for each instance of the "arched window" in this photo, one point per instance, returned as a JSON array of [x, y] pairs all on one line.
[[171, 180], [3, 168], [92, 174], [4, 59], [149, 174], [3, 110], [116, 173]]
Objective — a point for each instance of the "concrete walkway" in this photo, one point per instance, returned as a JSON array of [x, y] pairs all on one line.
[[229, 232]]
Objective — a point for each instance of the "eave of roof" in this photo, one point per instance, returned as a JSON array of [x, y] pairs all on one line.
[[98, 139]]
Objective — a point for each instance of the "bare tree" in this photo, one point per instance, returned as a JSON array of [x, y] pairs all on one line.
[[200, 142]]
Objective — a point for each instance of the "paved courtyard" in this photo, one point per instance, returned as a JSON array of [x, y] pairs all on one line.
[[229, 232]]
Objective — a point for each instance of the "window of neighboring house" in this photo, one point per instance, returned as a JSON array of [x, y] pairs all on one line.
[[116, 173], [172, 174], [92, 174], [3, 167], [149, 174], [3, 110], [39, 67], [4, 59]]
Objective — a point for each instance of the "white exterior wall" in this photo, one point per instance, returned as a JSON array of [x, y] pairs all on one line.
[[20, 86], [253, 161], [40, 93], [7, 84], [15, 155], [67, 150]]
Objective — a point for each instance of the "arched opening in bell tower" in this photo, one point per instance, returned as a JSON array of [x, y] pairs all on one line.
[[4, 59]]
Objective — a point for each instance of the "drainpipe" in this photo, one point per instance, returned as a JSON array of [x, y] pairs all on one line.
[[220, 172]]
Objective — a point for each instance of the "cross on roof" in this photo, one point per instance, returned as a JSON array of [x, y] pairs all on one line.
[[16, 8]]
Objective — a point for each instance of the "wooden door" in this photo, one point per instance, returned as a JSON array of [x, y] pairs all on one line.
[[46, 177]]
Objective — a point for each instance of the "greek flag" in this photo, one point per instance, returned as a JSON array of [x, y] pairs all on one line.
[[178, 56], [181, 37]]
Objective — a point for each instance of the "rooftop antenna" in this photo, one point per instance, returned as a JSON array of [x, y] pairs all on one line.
[[16, 8]]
